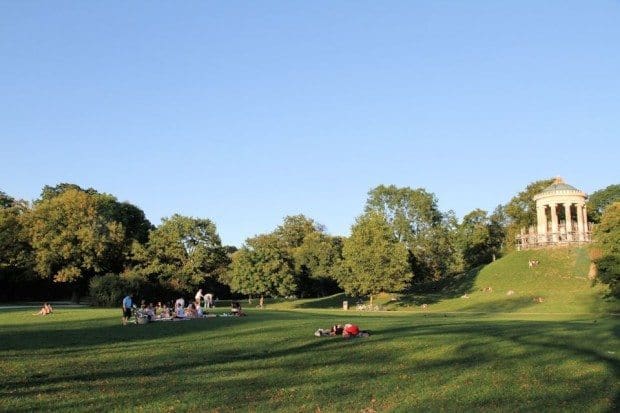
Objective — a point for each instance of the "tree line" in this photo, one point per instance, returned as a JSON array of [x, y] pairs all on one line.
[[76, 241]]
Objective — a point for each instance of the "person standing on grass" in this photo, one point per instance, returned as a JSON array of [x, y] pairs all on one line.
[[198, 297], [208, 301], [127, 304]]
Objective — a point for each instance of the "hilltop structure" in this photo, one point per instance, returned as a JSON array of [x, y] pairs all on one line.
[[561, 218]]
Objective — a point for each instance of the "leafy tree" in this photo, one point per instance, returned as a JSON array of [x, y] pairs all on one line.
[[317, 260], [428, 234], [295, 229], [263, 267], [521, 210], [71, 239], [6, 201], [16, 258], [374, 260], [478, 238], [607, 241], [50, 192], [410, 212], [181, 253], [600, 200]]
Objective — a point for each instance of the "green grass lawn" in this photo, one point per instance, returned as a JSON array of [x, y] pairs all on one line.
[[83, 359], [488, 352]]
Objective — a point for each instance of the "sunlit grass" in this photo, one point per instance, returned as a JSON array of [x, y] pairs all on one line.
[[83, 359]]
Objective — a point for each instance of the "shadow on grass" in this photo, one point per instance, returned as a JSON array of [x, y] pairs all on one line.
[[271, 362]]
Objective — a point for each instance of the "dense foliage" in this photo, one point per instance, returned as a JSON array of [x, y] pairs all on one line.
[[74, 241], [607, 242]]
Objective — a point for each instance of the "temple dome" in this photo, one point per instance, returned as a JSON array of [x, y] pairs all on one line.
[[559, 185]]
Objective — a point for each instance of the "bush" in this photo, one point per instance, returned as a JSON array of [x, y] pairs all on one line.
[[108, 290]]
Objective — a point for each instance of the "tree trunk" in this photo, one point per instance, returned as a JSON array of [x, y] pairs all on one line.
[[371, 301], [75, 295]]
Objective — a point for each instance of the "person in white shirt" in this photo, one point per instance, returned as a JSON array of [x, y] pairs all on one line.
[[198, 297], [208, 300]]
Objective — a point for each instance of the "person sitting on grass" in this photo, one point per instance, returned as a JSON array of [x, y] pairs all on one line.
[[235, 309], [190, 311], [179, 311], [45, 310], [149, 311]]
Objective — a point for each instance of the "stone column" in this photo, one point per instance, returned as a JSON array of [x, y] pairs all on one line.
[[569, 222], [586, 237], [541, 220], [580, 230], [554, 222]]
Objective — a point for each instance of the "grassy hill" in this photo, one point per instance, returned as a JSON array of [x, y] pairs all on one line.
[[558, 284]]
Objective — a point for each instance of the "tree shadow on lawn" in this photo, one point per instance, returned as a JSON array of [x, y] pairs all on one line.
[[97, 332], [353, 368], [435, 292]]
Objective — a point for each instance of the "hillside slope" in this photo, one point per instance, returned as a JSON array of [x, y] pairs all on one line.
[[558, 284]]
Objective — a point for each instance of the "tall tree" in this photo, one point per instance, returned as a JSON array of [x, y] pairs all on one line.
[[607, 241], [50, 192], [181, 253], [316, 262], [417, 222], [295, 229], [521, 210], [600, 200], [479, 238], [374, 260], [410, 212], [71, 238], [263, 266], [16, 259]]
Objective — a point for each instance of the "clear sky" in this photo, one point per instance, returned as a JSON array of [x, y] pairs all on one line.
[[247, 111]]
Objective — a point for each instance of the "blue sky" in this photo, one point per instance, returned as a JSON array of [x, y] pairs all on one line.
[[245, 112]]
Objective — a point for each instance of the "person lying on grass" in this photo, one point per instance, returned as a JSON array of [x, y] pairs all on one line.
[[348, 331]]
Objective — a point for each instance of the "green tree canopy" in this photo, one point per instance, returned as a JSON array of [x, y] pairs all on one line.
[[417, 222], [410, 212], [374, 260], [181, 253], [479, 238], [521, 209], [16, 258], [70, 236], [601, 199], [607, 240], [263, 266]]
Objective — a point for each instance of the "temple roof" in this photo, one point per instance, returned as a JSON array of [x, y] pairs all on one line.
[[559, 185]]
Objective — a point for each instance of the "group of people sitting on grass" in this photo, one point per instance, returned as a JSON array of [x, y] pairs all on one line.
[[347, 331], [173, 312], [45, 310]]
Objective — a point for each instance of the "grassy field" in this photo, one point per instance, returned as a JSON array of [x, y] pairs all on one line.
[[473, 354]]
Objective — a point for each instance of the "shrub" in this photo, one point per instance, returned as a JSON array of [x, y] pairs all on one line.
[[108, 290]]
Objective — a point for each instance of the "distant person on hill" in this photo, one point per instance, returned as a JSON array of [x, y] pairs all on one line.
[[127, 304]]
